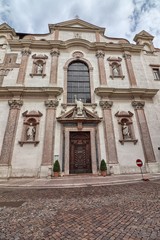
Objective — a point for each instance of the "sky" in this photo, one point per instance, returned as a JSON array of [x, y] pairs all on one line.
[[120, 18]]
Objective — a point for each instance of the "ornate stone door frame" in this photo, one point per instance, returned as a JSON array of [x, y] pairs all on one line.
[[67, 131]]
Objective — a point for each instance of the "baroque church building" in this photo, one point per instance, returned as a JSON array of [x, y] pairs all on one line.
[[78, 96]]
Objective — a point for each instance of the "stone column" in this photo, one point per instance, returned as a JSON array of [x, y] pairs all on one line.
[[144, 131], [132, 79], [22, 71], [110, 143], [102, 73], [10, 133], [54, 66], [49, 136]]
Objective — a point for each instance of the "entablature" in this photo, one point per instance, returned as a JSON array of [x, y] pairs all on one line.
[[104, 92], [34, 92], [94, 46]]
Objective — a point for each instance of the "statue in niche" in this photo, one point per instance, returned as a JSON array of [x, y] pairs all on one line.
[[125, 131], [115, 70], [79, 106], [30, 132], [39, 68]]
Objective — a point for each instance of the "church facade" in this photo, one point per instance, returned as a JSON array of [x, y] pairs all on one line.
[[78, 96]]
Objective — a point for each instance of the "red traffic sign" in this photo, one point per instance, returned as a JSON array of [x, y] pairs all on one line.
[[139, 162]]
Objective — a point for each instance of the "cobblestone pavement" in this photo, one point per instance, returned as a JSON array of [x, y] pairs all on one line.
[[128, 212]]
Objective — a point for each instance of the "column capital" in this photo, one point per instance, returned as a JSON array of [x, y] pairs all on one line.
[[26, 51], [106, 104], [55, 52], [127, 55], [15, 104], [100, 54], [138, 104], [51, 103]]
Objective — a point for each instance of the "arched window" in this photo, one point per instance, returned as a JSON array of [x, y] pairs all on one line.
[[78, 82]]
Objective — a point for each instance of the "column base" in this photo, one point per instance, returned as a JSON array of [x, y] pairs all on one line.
[[153, 167], [5, 171], [46, 171]]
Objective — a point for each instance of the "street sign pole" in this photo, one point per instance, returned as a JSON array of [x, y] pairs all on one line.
[[142, 173], [140, 164]]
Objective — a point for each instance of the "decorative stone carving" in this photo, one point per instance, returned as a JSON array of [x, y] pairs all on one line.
[[15, 104], [78, 54], [5, 71], [55, 52], [127, 55], [51, 103], [106, 104], [77, 35], [26, 51], [100, 54], [64, 108], [94, 105], [138, 104]]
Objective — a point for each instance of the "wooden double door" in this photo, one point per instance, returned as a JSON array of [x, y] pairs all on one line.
[[80, 153]]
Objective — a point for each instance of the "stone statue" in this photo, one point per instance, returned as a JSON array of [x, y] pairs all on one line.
[[115, 71], [79, 106], [39, 68], [125, 131], [30, 132]]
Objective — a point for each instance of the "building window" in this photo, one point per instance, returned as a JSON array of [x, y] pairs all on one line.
[[156, 73], [78, 82]]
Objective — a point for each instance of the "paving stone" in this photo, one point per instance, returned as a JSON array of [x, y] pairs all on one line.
[[115, 212]]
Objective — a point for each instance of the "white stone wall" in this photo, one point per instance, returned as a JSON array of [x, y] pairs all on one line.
[[66, 35], [26, 160], [129, 152]]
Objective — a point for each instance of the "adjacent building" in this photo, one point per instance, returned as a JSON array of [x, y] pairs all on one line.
[[78, 96]]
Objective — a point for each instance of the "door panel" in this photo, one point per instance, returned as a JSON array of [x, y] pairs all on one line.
[[80, 152]]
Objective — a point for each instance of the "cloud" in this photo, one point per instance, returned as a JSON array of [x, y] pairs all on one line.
[[146, 17], [121, 18]]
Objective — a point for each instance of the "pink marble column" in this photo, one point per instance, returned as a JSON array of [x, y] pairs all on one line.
[[144, 131], [54, 66], [102, 73], [49, 136], [132, 79], [110, 143], [10, 132], [22, 71]]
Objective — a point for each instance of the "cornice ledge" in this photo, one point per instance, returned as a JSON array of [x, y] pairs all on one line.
[[125, 92], [30, 91]]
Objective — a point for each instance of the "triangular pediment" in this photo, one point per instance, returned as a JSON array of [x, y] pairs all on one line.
[[143, 35], [72, 117], [76, 24], [5, 28]]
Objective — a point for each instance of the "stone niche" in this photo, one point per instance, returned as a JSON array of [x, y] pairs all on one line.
[[126, 130], [30, 129]]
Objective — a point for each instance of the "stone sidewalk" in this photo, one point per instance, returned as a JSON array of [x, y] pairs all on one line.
[[128, 211], [75, 181]]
